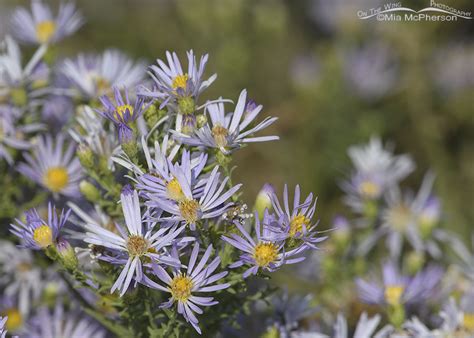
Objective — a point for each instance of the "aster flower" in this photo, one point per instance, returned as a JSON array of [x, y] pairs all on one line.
[[459, 318], [59, 323], [371, 70], [410, 217], [95, 75], [13, 135], [171, 82], [398, 289], [21, 278], [289, 311], [228, 132], [184, 285], [376, 169], [463, 252], [36, 233], [129, 247], [167, 180], [57, 171], [183, 202], [91, 135], [15, 80], [267, 252], [40, 27], [3, 331], [366, 327], [121, 113], [297, 222]]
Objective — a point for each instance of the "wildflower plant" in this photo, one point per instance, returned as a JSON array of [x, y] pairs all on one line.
[[123, 218]]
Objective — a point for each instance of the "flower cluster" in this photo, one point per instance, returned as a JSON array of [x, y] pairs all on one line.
[[122, 217]]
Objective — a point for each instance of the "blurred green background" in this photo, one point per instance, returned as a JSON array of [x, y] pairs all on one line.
[[332, 79]]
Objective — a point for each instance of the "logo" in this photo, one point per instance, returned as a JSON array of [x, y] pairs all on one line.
[[396, 12]]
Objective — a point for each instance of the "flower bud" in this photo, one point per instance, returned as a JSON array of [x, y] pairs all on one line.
[[130, 148], [201, 120], [186, 105], [90, 192], [263, 200], [86, 156], [66, 254]]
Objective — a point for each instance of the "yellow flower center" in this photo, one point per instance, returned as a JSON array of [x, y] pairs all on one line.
[[400, 217], [468, 321], [296, 224], [43, 236], [189, 210], [369, 189], [122, 110], [102, 85], [174, 191], [220, 135], [45, 31], [180, 81], [393, 294], [15, 319], [181, 287], [23, 267], [56, 178], [265, 253], [137, 245]]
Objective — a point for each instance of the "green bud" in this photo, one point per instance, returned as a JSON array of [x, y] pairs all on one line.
[[223, 159], [414, 261], [186, 105], [66, 254], [90, 192], [201, 120], [131, 149], [19, 97], [86, 156]]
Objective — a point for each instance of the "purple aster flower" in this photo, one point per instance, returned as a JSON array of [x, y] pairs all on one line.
[[40, 27], [16, 81], [267, 252], [376, 169], [91, 134], [59, 323], [408, 217], [38, 234], [398, 289], [167, 180], [183, 285], [289, 311], [229, 131], [57, 171], [371, 70], [297, 222], [121, 113], [186, 201], [139, 240], [458, 318], [21, 278], [13, 135], [95, 74], [171, 82]]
